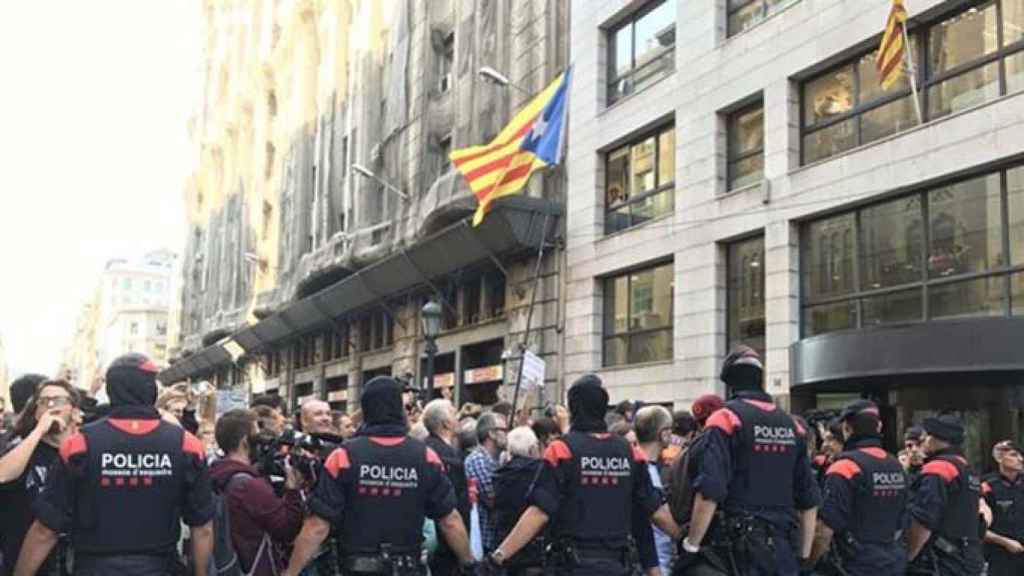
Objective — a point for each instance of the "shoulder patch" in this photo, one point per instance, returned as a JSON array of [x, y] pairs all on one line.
[[338, 461], [433, 458], [194, 446], [638, 455], [725, 420], [72, 447], [556, 452], [845, 468], [941, 468]]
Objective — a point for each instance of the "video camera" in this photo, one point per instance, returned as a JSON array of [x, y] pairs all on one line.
[[302, 452]]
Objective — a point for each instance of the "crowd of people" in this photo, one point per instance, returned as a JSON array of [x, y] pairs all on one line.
[[734, 486]]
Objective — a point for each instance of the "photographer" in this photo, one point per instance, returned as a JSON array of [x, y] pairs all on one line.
[[45, 422], [256, 514]]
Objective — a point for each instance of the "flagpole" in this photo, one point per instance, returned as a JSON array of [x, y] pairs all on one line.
[[908, 58]]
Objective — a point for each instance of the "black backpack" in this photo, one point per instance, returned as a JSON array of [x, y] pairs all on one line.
[[224, 560]]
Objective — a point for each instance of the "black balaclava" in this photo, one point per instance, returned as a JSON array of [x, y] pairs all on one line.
[[742, 371], [588, 402], [131, 381], [383, 412]]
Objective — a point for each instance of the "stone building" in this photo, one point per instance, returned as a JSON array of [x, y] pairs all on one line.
[[738, 175], [323, 211]]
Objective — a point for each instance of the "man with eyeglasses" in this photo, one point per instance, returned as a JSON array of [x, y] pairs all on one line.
[[43, 424]]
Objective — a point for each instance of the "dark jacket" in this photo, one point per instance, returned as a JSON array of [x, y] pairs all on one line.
[[512, 484], [254, 510], [444, 561]]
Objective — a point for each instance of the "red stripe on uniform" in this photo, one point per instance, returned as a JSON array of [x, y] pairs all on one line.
[[386, 440], [134, 427], [556, 452], [336, 462], [942, 469], [845, 468], [72, 446], [875, 452], [725, 420], [194, 446], [433, 458]]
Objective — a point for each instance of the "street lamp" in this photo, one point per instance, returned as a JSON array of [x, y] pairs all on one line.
[[367, 173], [492, 75], [430, 316]]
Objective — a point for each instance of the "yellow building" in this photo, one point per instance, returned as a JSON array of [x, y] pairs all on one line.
[[323, 211]]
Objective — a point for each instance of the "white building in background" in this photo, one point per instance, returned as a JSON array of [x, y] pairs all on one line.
[[5, 394], [738, 175], [128, 312]]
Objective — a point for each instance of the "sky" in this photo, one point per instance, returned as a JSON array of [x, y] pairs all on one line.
[[94, 153]]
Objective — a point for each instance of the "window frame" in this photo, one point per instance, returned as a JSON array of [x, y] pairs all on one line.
[[446, 64], [731, 126], [659, 187], [920, 41], [758, 235], [729, 32], [610, 33], [628, 335], [1003, 272]]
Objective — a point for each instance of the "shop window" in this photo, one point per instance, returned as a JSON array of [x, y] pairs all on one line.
[[745, 305], [638, 316], [953, 264], [641, 50], [640, 181], [746, 146], [745, 14]]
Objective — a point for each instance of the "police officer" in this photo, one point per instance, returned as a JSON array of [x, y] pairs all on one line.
[[590, 487], [1004, 493], [944, 537], [377, 489], [864, 501], [122, 487], [754, 481]]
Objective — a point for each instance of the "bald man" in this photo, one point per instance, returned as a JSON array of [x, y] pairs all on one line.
[[315, 417]]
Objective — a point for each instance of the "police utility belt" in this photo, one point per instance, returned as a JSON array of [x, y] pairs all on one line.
[[572, 551], [948, 547], [388, 561]]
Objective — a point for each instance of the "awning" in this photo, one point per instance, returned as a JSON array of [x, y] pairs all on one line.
[[941, 346], [515, 225]]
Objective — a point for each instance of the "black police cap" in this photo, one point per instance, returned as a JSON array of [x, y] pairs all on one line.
[[946, 427], [859, 408]]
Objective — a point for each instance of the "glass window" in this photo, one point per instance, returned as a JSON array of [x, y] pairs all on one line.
[[887, 119], [892, 244], [746, 147], [828, 257], [1015, 73], [745, 14], [964, 91], [979, 297], [642, 50], [870, 85], [639, 181], [830, 141], [962, 246], [965, 227], [961, 39], [829, 95], [638, 316], [1013, 21], [746, 313], [896, 307], [1015, 196], [829, 318]]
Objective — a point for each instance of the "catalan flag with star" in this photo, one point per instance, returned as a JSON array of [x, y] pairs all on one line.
[[892, 50], [531, 141]]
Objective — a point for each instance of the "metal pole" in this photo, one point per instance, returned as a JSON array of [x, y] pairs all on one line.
[[908, 58], [431, 352], [529, 319]]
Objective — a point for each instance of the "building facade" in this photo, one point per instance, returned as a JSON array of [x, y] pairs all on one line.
[[324, 212], [5, 380], [127, 312], [738, 175]]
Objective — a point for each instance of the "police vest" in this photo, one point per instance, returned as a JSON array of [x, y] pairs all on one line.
[[1007, 502], [879, 497], [130, 495], [764, 458], [599, 500], [960, 519], [386, 495]]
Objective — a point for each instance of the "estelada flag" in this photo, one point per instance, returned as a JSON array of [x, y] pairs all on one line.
[[892, 50], [532, 140]]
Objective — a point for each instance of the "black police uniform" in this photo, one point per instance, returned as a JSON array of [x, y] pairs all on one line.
[[864, 505], [945, 501], [377, 491], [1006, 499], [444, 562], [122, 487], [757, 469], [591, 486]]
